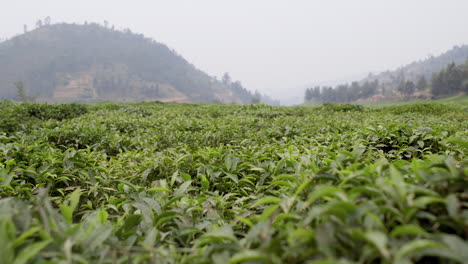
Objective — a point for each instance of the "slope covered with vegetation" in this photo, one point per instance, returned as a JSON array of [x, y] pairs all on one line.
[[434, 77], [86, 63], [196, 183], [426, 67]]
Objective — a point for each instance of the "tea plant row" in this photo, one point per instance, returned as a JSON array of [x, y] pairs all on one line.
[[199, 183]]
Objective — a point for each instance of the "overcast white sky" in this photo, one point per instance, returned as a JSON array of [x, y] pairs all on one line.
[[276, 47]]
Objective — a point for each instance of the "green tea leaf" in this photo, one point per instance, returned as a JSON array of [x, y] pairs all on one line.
[[415, 246], [379, 240], [30, 252], [267, 200], [182, 188], [408, 230], [247, 256]]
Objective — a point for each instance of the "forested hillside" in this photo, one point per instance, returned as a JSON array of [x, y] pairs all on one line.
[[86, 63], [434, 77], [426, 67]]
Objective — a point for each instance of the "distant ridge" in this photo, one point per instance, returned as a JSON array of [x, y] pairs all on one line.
[[426, 67], [435, 77], [88, 63]]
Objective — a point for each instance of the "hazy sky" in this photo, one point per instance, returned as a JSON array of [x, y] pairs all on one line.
[[276, 47]]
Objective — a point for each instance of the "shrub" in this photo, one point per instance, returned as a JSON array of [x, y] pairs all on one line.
[[335, 107], [58, 111]]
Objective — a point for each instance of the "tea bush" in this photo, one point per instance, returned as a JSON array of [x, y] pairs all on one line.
[[340, 107], [199, 183], [55, 111]]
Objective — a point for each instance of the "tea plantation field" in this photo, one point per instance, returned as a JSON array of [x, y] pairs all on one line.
[[200, 183]]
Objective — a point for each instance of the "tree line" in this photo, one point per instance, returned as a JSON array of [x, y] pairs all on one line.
[[342, 93]]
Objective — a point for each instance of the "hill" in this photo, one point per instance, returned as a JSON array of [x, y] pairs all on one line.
[[87, 63], [415, 70], [435, 77]]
